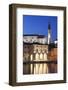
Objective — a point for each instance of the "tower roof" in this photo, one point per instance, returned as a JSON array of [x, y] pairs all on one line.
[[49, 27]]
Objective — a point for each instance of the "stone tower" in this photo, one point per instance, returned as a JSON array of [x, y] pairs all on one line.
[[49, 34]]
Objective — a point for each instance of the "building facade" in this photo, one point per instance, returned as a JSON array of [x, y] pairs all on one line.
[[35, 52], [34, 38]]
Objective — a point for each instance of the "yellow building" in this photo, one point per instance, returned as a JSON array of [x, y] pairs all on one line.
[[35, 52]]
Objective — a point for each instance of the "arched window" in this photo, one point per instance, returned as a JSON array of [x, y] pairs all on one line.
[[27, 56], [31, 57], [41, 56], [45, 56], [37, 56]]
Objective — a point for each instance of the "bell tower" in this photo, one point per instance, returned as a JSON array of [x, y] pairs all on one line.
[[49, 34]]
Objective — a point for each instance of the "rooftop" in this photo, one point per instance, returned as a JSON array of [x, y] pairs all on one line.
[[38, 35], [34, 43]]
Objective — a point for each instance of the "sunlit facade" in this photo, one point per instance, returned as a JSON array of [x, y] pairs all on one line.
[[36, 52]]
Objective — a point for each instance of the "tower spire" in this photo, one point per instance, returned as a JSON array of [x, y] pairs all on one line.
[[49, 33]]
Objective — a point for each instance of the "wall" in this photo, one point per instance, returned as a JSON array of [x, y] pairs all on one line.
[[4, 47]]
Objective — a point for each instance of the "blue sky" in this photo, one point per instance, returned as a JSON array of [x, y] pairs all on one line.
[[39, 25]]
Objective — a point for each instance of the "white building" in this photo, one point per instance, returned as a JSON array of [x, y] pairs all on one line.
[[33, 38]]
